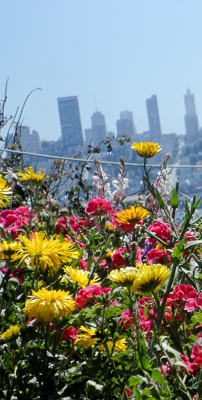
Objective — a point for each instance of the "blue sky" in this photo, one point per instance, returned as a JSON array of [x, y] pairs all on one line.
[[118, 52]]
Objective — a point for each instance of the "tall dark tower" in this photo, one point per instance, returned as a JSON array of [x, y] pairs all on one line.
[[70, 122], [191, 119], [153, 118]]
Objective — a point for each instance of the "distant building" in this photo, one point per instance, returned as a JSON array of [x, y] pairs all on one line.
[[153, 118], [30, 141], [191, 119], [125, 124], [89, 136], [99, 129], [70, 121]]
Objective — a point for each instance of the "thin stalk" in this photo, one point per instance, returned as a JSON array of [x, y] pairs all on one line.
[[162, 307], [46, 343]]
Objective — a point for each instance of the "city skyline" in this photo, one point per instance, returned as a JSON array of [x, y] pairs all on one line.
[[112, 55]]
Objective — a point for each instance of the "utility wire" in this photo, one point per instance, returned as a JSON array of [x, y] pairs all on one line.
[[92, 161]]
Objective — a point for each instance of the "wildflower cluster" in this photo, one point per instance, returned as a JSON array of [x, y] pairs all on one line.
[[102, 305]]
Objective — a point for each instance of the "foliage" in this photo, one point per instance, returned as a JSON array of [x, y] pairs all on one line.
[[116, 302]]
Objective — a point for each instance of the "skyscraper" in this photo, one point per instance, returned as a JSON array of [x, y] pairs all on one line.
[[153, 118], [99, 129], [191, 119], [125, 124], [70, 122]]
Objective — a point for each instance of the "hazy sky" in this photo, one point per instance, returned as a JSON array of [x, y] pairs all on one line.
[[118, 52]]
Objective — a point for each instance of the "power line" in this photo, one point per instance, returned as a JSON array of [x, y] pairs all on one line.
[[92, 161]]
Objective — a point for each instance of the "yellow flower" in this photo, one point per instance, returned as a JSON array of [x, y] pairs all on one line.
[[110, 254], [49, 253], [29, 175], [5, 192], [125, 276], [11, 333], [119, 345], [131, 215], [80, 276], [49, 305], [149, 279], [147, 149], [87, 338], [9, 251]]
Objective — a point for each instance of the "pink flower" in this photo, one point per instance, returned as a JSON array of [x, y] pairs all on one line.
[[87, 296], [158, 256], [184, 296], [83, 264], [127, 319], [117, 258], [74, 222], [146, 323], [124, 227], [165, 369], [99, 206], [13, 220], [160, 231], [196, 356], [16, 273], [139, 253], [69, 333]]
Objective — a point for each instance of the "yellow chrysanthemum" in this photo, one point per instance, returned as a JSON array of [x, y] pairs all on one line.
[[80, 276], [149, 279], [147, 149], [46, 252], [131, 215], [119, 345], [9, 251], [29, 175], [87, 338], [125, 276], [11, 333], [5, 192], [49, 305]]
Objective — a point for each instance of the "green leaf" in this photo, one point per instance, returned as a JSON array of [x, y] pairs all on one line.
[[174, 199], [157, 376], [143, 361], [134, 381], [160, 200], [177, 252]]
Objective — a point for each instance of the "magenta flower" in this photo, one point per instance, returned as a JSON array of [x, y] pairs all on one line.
[[160, 231], [87, 296], [158, 256], [99, 206], [184, 296]]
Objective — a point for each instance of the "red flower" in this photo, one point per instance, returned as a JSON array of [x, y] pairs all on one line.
[[158, 256], [184, 296], [196, 356], [124, 227], [83, 264], [99, 206], [62, 224], [160, 231], [13, 220], [69, 333], [127, 319], [117, 259], [87, 296]]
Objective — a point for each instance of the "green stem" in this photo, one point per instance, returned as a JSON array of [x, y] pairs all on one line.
[[162, 307], [34, 276], [46, 343], [132, 313]]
